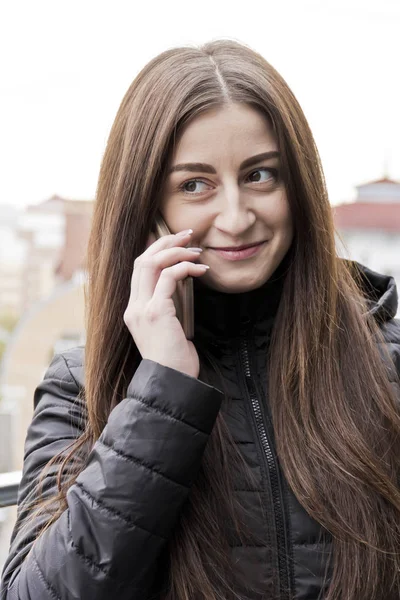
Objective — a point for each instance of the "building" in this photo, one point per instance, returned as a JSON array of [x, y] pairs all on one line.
[[12, 257], [55, 236], [369, 228], [39, 248], [53, 320]]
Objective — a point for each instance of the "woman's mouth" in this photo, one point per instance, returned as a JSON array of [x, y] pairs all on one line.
[[241, 253]]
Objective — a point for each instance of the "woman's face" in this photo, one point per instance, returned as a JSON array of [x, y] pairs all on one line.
[[219, 186]]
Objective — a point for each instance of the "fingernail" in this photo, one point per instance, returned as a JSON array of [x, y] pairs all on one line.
[[195, 250], [184, 232]]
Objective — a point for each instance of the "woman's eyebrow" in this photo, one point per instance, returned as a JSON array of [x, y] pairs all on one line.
[[205, 168]]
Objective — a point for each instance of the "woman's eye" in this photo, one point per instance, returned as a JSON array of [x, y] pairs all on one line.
[[193, 187], [190, 187], [254, 176]]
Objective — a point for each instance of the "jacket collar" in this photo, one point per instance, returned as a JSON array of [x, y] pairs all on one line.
[[225, 315]]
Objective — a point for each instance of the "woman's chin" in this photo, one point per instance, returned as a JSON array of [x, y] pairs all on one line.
[[234, 284]]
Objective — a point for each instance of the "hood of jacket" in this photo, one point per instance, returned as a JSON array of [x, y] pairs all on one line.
[[380, 291]]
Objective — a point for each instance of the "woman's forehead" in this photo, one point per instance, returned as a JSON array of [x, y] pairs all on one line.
[[236, 130]]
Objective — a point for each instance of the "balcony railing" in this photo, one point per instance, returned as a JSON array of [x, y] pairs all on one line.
[[9, 483]]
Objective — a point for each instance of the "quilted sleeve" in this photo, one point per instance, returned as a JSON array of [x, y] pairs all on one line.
[[127, 499]]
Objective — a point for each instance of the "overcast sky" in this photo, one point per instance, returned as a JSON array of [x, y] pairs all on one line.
[[65, 67]]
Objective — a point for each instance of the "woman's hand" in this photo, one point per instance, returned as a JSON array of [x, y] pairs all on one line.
[[150, 315]]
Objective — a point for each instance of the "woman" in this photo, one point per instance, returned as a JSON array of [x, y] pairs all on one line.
[[260, 459]]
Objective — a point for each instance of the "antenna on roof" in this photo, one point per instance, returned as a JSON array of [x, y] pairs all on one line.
[[386, 164]]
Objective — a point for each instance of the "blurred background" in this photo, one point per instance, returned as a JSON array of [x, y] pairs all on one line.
[[64, 70]]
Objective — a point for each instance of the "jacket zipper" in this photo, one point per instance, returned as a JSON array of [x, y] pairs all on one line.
[[277, 499]]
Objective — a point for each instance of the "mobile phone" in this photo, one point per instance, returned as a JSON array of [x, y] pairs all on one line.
[[183, 297]]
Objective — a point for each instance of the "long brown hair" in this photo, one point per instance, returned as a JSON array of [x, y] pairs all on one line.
[[333, 406]]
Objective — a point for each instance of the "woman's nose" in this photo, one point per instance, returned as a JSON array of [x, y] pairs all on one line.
[[235, 216]]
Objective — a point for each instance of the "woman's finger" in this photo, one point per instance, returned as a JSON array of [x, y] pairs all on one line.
[[168, 241], [167, 282], [149, 268]]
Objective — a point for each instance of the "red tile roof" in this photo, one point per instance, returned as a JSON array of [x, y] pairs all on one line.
[[382, 180], [366, 215]]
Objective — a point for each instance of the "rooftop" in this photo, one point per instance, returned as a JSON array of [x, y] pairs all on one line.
[[366, 215]]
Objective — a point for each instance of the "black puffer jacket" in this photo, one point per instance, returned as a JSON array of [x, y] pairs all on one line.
[[127, 500]]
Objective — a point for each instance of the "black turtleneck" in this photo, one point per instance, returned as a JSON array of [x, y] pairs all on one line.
[[222, 315]]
